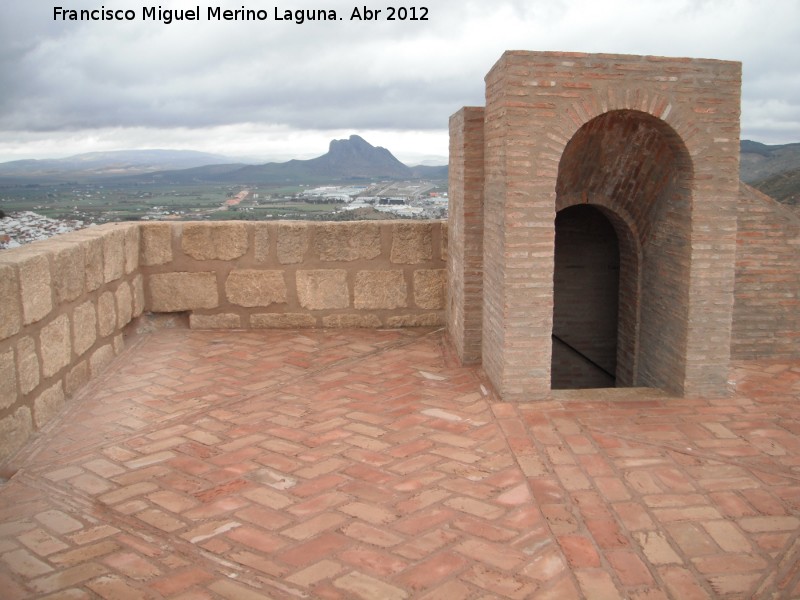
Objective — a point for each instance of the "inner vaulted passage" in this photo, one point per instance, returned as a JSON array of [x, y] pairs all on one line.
[[635, 170], [593, 205], [585, 295]]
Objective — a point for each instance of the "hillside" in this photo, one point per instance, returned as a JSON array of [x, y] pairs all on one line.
[[784, 187], [760, 161], [103, 165]]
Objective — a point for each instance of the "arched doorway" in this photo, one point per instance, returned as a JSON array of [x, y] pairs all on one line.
[[585, 294], [637, 172]]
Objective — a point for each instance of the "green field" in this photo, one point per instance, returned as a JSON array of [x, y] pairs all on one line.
[[99, 204]]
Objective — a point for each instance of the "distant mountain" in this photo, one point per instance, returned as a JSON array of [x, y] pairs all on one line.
[[771, 169], [352, 159], [430, 172], [760, 161], [104, 165], [346, 160]]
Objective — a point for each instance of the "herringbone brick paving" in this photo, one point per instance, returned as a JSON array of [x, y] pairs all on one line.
[[368, 464]]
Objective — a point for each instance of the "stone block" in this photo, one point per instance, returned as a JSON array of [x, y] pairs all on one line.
[[412, 243], [214, 241], [118, 343], [100, 359], [292, 242], [10, 307], [250, 287], [8, 379], [69, 271], [323, 289], [106, 314], [55, 344], [28, 370], [175, 292], [15, 429], [124, 301], [93, 259], [84, 327], [348, 241], [113, 254], [282, 321], [76, 378], [261, 242], [445, 235], [48, 404], [36, 286], [423, 320], [380, 289], [133, 238], [138, 296], [221, 321], [429, 288], [156, 244], [351, 321]]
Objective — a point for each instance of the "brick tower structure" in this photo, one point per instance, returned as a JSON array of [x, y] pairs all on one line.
[[593, 223]]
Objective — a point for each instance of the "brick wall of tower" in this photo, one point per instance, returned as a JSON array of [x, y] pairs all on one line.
[[464, 315], [536, 103], [766, 312]]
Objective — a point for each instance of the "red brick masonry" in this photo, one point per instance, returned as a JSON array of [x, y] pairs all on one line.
[[654, 143]]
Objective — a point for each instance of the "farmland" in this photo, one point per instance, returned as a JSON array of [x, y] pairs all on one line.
[[102, 203]]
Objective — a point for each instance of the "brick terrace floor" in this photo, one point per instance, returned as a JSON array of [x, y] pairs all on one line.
[[368, 464]]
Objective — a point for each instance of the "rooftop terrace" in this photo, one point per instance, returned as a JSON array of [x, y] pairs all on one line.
[[369, 464]]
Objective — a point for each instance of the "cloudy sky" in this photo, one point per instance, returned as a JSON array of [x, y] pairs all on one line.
[[274, 90]]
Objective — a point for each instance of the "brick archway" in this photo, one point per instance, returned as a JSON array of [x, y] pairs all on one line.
[[654, 143], [638, 170]]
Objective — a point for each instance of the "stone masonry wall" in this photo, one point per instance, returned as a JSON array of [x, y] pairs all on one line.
[[64, 303], [297, 274]]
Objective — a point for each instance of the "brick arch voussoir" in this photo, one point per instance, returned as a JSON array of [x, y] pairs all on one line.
[[623, 222], [656, 105]]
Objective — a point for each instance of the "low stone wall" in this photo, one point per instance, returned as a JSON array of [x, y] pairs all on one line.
[[296, 274], [65, 302]]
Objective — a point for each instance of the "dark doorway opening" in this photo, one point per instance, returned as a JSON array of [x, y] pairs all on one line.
[[586, 300]]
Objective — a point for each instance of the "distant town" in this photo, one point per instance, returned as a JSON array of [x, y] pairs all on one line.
[[33, 212]]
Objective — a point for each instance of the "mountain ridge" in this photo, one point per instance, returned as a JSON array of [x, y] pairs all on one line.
[[351, 159], [769, 168], [111, 163]]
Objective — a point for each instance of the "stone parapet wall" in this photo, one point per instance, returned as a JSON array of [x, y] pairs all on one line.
[[297, 274], [64, 303]]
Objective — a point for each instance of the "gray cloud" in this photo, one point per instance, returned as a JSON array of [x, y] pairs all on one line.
[[62, 79]]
